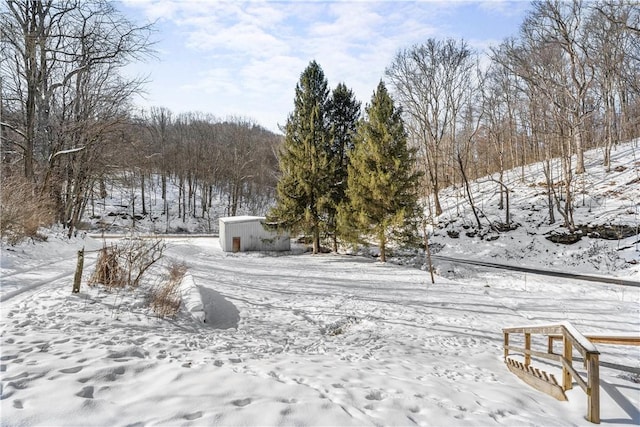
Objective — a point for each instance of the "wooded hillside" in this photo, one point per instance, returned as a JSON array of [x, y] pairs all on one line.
[[570, 81]]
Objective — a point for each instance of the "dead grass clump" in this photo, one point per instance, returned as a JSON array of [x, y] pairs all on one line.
[[23, 210], [177, 272], [166, 300], [108, 270]]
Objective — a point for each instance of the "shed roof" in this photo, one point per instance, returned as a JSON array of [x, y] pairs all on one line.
[[241, 218]]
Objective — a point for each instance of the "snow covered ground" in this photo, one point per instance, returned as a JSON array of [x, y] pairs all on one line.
[[296, 340]]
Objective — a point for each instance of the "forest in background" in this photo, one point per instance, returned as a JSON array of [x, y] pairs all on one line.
[[570, 81]]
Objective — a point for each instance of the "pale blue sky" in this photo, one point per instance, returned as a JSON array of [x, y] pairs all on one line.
[[233, 58]]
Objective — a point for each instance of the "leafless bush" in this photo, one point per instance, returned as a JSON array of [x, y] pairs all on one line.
[[123, 265], [138, 255], [23, 210], [165, 301]]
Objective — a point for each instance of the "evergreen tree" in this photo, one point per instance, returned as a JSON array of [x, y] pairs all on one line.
[[343, 112], [382, 179], [303, 187]]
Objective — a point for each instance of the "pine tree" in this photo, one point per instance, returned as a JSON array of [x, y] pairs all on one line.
[[382, 179], [344, 113], [303, 187]]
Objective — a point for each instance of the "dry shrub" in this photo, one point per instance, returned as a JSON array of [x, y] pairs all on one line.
[[177, 272], [126, 264], [166, 300], [23, 210], [108, 271], [138, 255]]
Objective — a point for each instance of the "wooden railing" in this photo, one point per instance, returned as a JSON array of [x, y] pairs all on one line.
[[571, 339], [547, 383]]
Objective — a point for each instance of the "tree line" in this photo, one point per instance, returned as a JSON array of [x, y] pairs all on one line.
[[64, 98], [68, 126], [443, 115], [231, 161], [569, 82]]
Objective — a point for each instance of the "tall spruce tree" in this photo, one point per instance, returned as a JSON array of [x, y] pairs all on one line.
[[304, 163], [382, 180], [344, 113]]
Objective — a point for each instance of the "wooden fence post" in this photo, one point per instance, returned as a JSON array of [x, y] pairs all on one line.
[[427, 250], [527, 347], [567, 353], [78, 276], [506, 345], [593, 383]]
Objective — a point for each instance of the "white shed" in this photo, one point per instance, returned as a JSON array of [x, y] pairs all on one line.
[[247, 233]]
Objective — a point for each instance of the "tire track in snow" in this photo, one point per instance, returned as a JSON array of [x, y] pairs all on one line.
[[554, 273], [33, 268], [34, 285]]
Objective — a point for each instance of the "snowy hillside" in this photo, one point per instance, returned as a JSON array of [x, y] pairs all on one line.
[[298, 339], [601, 199]]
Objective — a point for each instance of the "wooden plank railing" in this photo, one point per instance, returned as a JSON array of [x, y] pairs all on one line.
[[571, 339], [601, 339]]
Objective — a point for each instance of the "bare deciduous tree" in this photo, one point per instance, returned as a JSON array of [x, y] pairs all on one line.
[[65, 94], [430, 81]]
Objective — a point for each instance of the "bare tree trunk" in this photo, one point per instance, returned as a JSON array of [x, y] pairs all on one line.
[[427, 250], [144, 204], [382, 246], [468, 192], [577, 142], [549, 181]]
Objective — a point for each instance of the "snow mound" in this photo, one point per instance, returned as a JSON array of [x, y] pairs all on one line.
[[191, 298]]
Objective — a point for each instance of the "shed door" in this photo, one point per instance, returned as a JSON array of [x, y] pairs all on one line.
[[235, 247]]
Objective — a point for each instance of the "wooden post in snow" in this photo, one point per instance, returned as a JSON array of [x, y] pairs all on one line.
[[593, 381], [567, 354], [78, 276], [427, 250]]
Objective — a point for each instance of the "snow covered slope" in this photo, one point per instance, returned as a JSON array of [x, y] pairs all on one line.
[[601, 199]]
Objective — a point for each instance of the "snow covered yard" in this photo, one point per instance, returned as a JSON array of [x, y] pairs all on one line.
[[296, 340]]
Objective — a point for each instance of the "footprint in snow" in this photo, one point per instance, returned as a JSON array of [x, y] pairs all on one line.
[[286, 411], [241, 402], [193, 416], [86, 392], [9, 357], [73, 370], [374, 395]]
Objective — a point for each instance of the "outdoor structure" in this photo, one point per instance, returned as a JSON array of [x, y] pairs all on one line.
[[248, 233]]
